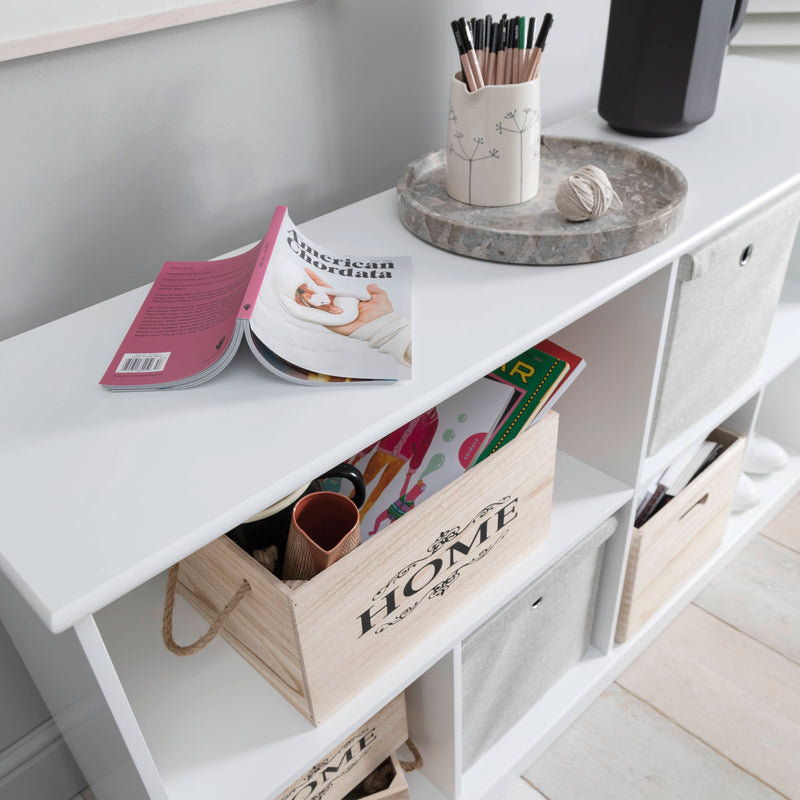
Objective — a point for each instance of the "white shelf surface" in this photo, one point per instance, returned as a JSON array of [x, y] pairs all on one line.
[[420, 788], [782, 349], [216, 728], [134, 482], [579, 687]]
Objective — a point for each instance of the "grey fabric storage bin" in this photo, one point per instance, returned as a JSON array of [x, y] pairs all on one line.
[[724, 301], [522, 650]]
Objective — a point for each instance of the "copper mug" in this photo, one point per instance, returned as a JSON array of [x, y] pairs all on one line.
[[270, 527], [324, 528]]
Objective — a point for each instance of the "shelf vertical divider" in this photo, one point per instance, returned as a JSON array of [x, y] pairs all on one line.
[[609, 587], [434, 722], [604, 416], [604, 419], [65, 675], [107, 679]]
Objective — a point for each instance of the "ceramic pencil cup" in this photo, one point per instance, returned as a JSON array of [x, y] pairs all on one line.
[[493, 138]]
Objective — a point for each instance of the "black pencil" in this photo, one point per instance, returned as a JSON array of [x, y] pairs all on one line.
[[480, 46], [509, 75], [500, 75], [491, 72], [538, 48], [469, 44], [528, 53], [466, 67]]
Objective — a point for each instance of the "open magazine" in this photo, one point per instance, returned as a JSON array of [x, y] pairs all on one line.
[[309, 316]]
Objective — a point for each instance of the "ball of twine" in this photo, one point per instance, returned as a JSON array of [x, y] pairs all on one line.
[[586, 194]]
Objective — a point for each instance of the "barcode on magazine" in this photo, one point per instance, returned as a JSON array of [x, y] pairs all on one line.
[[142, 362]]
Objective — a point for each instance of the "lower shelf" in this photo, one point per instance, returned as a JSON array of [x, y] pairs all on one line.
[[587, 680], [420, 788], [215, 728]]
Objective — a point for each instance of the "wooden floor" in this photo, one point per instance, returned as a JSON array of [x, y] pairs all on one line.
[[711, 709]]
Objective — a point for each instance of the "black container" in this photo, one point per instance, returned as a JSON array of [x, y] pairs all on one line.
[[271, 526], [663, 63]]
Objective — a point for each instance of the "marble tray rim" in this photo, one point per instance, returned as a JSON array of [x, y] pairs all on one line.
[[671, 213]]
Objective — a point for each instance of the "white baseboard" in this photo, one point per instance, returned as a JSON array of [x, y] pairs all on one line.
[[39, 766]]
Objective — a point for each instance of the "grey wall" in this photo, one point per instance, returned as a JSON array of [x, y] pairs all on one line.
[[23, 708], [774, 36], [178, 144]]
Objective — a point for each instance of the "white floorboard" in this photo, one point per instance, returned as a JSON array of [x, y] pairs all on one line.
[[522, 790]]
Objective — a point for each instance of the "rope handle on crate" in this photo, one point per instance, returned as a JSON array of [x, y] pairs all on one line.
[[213, 629], [417, 763]]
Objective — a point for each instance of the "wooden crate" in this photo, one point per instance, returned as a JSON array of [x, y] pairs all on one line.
[[322, 643], [356, 757], [397, 789], [677, 540]]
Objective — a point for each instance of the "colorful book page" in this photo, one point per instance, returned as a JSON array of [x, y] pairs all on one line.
[[408, 465]]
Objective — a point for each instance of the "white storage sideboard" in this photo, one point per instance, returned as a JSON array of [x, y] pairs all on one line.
[[103, 492]]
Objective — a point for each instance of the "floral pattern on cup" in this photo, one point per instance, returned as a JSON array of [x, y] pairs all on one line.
[[529, 119], [493, 144]]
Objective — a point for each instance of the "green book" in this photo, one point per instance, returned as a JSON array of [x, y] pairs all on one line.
[[533, 375]]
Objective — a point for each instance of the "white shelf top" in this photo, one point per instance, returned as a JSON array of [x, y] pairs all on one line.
[[103, 491]]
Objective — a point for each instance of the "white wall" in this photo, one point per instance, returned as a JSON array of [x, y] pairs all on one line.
[[771, 30], [178, 144]]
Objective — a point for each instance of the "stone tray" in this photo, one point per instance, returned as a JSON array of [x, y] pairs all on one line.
[[652, 191]]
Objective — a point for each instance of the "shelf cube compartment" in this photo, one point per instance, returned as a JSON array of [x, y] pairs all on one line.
[[324, 641], [514, 657], [679, 538], [726, 294]]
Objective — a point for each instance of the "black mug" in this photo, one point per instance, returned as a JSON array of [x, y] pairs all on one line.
[[270, 527], [663, 63]]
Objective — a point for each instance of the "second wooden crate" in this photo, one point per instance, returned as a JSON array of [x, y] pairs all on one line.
[[678, 539], [353, 759]]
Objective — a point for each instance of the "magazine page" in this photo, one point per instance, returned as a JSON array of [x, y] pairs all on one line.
[[186, 330], [287, 371], [413, 462], [333, 315]]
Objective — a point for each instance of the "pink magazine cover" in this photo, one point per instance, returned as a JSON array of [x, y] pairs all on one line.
[[308, 315]]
